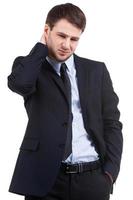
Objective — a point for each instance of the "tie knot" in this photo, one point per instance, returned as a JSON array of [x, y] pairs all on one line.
[[63, 68], [64, 75]]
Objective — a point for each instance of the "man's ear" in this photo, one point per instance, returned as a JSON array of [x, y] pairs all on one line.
[[46, 30]]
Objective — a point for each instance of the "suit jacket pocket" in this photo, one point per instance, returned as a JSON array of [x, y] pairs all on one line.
[[29, 144]]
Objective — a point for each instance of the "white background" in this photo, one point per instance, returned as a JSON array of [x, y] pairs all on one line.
[[108, 37]]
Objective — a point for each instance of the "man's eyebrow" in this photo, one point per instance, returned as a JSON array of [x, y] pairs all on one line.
[[64, 34]]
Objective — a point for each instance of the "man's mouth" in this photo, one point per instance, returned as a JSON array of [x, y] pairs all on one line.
[[63, 52]]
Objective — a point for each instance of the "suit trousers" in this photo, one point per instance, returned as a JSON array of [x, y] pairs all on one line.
[[90, 185]]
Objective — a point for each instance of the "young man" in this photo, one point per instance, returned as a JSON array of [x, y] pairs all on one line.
[[73, 142]]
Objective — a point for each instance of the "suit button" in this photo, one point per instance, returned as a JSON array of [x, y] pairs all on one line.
[[61, 145], [64, 124]]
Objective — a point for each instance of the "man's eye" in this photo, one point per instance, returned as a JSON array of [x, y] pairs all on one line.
[[74, 39], [62, 36]]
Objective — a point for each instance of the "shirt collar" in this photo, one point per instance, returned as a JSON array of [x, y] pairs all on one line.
[[56, 65]]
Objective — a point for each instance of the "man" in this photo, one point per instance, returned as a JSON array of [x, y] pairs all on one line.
[[73, 143]]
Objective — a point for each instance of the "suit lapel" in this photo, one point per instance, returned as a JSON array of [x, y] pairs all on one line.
[[56, 78], [82, 80]]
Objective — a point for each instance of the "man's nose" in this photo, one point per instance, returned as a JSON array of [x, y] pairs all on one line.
[[66, 44]]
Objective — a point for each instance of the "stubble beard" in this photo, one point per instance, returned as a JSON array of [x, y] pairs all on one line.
[[55, 56]]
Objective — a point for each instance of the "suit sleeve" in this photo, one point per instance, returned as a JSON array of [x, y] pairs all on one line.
[[112, 126], [25, 70]]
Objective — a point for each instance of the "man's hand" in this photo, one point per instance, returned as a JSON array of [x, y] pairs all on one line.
[[43, 39]]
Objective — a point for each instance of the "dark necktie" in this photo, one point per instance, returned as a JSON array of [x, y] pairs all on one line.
[[67, 84]]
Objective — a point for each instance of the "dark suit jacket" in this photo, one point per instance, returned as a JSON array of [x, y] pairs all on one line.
[[42, 148]]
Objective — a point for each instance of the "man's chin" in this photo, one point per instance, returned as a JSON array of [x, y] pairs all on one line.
[[59, 58], [62, 58]]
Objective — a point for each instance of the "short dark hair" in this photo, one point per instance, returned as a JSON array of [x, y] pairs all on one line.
[[68, 11]]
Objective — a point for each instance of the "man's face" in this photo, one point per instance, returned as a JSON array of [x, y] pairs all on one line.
[[62, 40]]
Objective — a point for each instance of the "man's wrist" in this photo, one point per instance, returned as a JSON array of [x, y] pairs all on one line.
[[42, 43], [110, 176]]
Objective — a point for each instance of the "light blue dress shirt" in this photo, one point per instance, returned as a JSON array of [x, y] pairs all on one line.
[[82, 149]]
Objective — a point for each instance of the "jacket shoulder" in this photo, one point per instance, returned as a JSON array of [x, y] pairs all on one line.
[[89, 62]]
